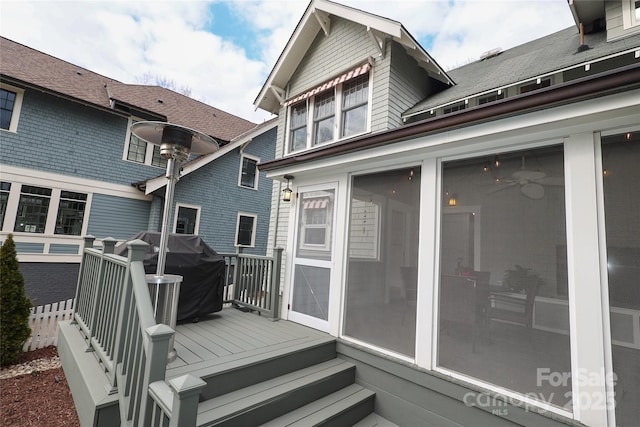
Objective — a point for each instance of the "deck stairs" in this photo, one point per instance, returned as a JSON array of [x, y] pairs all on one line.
[[304, 384]]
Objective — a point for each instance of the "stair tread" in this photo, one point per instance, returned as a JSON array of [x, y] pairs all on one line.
[[324, 408], [223, 364], [225, 406], [374, 420]]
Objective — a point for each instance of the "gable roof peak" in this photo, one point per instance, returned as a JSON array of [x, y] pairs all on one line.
[[316, 18]]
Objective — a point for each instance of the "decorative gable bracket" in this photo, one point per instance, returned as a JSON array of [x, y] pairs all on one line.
[[323, 20], [278, 92], [378, 39]]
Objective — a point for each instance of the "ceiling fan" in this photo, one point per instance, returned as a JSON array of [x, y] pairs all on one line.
[[531, 182]]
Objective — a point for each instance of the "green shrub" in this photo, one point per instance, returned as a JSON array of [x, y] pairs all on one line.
[[15, 306]]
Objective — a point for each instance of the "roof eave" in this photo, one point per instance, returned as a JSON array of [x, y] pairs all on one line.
[[606, 82]]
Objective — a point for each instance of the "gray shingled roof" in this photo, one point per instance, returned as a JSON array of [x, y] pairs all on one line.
[[24, 64], [544, 55]]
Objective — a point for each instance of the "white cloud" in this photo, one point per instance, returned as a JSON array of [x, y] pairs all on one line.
[[125, 40]]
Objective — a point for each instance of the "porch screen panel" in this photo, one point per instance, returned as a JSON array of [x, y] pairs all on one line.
[[380, 306], [620, 160], [311, 291], [503, 314]]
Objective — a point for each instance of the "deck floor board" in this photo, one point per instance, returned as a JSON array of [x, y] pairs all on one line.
[[232, 338]]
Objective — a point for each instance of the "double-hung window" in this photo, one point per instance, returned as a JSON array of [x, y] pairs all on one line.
[[298, 126], [10, 104], [337, 109], [137, 150], [355, 105], [33, 209], [246, 230], [324, 114], [248, 172], [630, 13], [70, 213]]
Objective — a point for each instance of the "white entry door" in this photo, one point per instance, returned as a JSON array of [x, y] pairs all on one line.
[[313, 254]]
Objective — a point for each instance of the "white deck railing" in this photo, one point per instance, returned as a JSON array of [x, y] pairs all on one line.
[[115, 315]]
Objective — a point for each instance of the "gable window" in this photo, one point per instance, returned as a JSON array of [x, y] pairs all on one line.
[[298, 126], [355, 99], [324, 113], [70, 213], [137, 150], [33, 209], [10, 104], [187, 219], [336, 109], [538, 84], [248, 172], [246, 230]]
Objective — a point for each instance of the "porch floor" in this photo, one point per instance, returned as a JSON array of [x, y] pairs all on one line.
[[232, 337]]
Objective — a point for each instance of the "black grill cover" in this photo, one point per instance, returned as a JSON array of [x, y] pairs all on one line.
[[200, 266]]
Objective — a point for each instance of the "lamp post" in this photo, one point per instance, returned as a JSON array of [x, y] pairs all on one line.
[[176, 143]]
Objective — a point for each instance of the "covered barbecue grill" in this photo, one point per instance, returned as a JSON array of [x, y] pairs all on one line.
[[200, 266]]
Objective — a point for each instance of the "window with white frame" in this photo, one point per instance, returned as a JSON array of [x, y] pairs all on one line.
[[248, 172], [5, 189], [316, 222], [187, 220], [70, 213], [630, 13], [338, 112], [33, 209], [246, 230], [10, 105], [137, 150]]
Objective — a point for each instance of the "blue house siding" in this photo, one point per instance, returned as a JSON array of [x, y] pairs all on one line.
[[29, 248], [62, 249], [77, 141], [117, 217], [215, 188]]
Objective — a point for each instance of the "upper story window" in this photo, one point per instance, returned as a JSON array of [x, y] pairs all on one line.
[[335, 110], [10, 105], [248, 172], [630, 13], [137, 150]]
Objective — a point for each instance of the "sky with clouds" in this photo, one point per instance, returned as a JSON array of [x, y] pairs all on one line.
[[222, 51]]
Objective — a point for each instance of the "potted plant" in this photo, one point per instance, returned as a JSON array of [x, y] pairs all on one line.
[[521, 279]]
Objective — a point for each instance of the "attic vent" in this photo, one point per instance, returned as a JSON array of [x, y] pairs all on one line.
[[491, 53]]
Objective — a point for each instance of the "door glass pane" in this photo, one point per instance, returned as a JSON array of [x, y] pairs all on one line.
[[502, 303], [315, 225], [311, 291], [383, 258], [620, 160]]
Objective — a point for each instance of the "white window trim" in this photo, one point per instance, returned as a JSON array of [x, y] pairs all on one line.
[[629, 14], [337, 125], [148, 154], [253, 231], [52, 213], [198, 209], [257, 160], [17, 107]]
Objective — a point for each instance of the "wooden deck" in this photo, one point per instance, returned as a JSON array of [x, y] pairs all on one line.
[[232, 337]]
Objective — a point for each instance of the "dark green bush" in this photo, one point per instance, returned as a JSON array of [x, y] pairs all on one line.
[[15, 306]]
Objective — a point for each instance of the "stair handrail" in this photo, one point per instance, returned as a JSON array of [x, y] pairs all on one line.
[[115, 314]]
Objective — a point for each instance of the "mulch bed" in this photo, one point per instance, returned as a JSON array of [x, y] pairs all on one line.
[[37, 399]]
